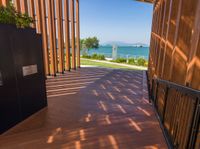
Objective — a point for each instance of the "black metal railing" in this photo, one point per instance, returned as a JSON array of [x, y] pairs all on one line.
[[178, 108]]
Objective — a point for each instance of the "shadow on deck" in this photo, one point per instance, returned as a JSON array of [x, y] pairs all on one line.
[[92, 108]]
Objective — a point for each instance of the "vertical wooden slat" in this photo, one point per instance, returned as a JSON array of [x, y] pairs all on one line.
[[38, 16], [67, 37], [50, 28], [155, 38], [73, 35], [158, 33], [183, 45], [194, 46], [24, 6], [78, 33], [32, 11], [167, 33], [175, 39], [160, 58], [41, 25], [17, 5], [54, 35], [0, 2], [60, 35], [5, 2], [44, 36], [151, 46]]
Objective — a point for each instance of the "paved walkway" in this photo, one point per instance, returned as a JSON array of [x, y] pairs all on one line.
[[91, 108]]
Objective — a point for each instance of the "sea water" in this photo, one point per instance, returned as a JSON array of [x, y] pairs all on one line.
[[124, 52]]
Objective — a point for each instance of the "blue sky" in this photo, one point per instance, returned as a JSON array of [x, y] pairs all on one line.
[[116, 20]]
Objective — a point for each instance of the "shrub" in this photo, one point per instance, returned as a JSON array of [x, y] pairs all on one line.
[[120, 60], [146, 64], [98, 57], [86, 56], [102, 57], [141, 61], [8, 15], [94, 56], [131, 61], [23, 20]]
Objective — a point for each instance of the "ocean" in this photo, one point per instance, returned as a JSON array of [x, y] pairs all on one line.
[[124, 52]]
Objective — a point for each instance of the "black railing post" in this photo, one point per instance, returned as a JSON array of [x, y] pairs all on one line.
[[165, 104], [152, 90], [194, 127], [149, 87], [156, 96]]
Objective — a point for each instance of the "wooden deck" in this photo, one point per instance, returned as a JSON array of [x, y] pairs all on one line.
[[91, 108]]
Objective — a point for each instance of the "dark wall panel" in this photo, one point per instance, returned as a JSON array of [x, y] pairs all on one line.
[[9, 101], [22, 77], [27, 48]]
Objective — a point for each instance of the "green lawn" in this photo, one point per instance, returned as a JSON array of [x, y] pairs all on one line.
[[105, 65]]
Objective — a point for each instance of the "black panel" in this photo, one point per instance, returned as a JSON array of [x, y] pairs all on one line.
[[9, 102], [27, 48], [20, 95]]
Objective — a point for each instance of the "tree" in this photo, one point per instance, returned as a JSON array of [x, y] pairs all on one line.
[[82, 44], [90, 43]]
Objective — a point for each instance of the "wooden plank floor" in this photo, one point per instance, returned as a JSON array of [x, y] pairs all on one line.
[[91, 108]]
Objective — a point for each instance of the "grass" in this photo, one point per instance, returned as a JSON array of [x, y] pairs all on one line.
[[105, 65]]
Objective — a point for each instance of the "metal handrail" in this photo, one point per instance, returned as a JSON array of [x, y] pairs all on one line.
[[185, 92], [181, 88]]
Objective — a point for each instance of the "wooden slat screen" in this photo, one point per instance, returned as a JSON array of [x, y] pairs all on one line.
[[174, 42], [52, 21]]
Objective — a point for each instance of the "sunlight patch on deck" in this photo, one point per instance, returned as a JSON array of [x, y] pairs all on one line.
[[113, 142], [132, 123]]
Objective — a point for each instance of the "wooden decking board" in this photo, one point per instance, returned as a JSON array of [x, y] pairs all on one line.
[[97, 116]]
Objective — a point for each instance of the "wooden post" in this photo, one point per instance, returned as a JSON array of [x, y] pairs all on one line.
[[60, 35], [32, 12], [1, 3], [73, 36], [44, 37], [50, 28], [54, 35], [67, 37], [78, 33], [24, 6]]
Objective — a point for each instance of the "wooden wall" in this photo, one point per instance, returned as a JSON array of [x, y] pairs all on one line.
[[58, 22], [175, 42]]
